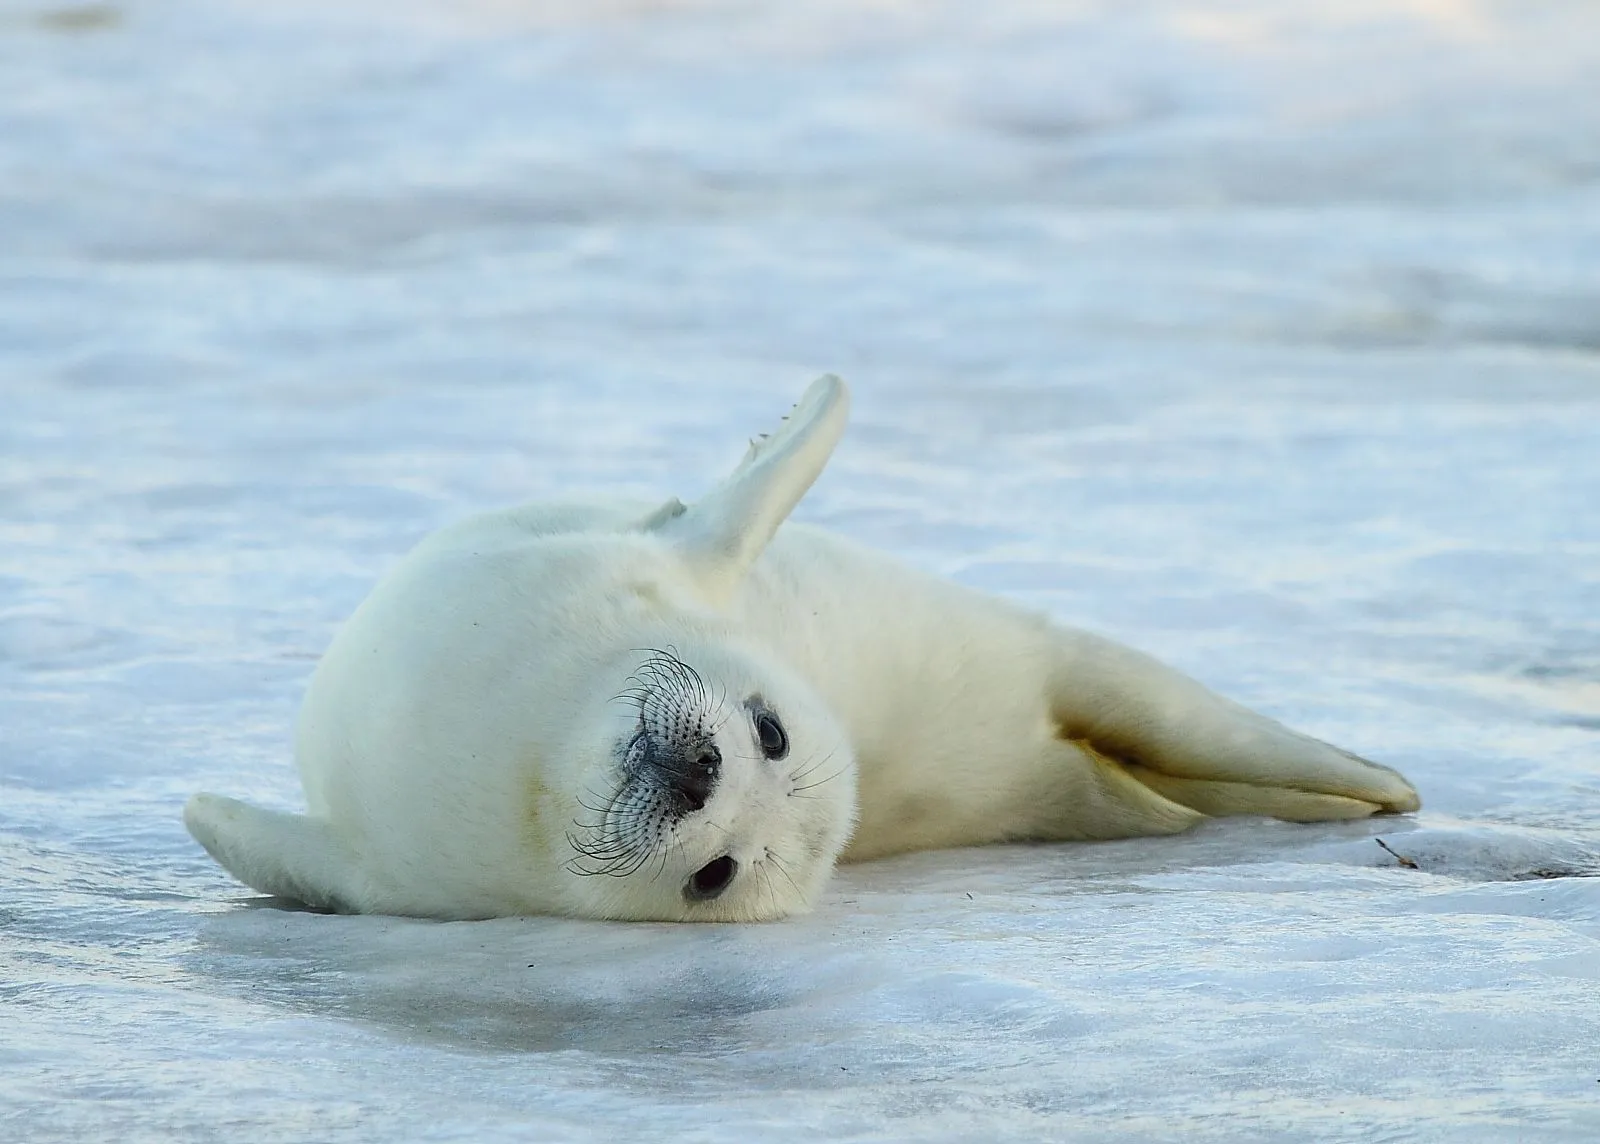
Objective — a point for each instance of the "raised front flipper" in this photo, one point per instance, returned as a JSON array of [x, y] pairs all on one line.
[[722, 534], [1198, 749], [285, 855]]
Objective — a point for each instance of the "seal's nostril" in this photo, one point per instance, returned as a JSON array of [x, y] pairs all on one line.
[[695, 782], [708, 882]]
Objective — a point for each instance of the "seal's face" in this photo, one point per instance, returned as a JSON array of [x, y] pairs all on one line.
[[727, 793]]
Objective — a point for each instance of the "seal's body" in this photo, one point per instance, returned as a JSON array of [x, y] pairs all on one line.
[[691, 713]]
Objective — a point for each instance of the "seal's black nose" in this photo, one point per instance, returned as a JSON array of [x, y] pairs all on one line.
[[694, 781]]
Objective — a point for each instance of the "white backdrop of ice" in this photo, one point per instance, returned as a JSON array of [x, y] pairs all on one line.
[[1261, 335]]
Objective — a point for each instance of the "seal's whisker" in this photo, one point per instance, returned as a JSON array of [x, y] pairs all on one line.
[[716, 728], [798, 788], [772, 892], [783, 869], [665, 669], [602, 810], [764, 883], [674, 846], [822, 761], [623, 835], [820, 782]]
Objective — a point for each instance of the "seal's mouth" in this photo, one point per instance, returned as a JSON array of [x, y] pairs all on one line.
[[707, 883]]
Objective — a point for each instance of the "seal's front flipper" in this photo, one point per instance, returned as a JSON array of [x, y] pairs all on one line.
[[721, 535], [285, 855], [1196, 748]]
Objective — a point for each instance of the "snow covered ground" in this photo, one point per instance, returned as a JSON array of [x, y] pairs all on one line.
[[1262, 335]]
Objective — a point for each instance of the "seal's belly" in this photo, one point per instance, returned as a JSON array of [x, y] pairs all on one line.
[[1021, 790]]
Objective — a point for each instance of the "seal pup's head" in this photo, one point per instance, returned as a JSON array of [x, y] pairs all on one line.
[[719, 787]]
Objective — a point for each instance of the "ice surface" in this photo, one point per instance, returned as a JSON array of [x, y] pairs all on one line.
[[1261, 335]]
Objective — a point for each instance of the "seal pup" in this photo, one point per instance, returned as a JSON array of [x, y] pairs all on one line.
[[691, 712]]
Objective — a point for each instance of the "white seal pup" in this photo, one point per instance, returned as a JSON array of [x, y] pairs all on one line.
[[691, 713]]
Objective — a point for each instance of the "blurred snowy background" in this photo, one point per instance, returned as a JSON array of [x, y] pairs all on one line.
[[1262, 335]]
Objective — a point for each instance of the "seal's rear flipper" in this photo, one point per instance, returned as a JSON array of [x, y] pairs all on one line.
[[1224, 798], [721, 535], [286, 855], [1196, 748]]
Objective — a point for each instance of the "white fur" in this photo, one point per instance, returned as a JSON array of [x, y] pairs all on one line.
[[460, 742]]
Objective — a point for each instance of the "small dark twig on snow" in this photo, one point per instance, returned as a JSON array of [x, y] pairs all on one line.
[[1400, 858]]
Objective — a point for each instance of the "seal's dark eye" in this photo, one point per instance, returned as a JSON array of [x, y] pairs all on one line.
[[774, 743]]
